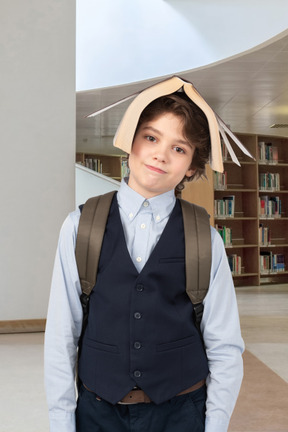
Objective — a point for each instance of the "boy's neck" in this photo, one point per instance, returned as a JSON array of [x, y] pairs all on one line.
[[148, 196]]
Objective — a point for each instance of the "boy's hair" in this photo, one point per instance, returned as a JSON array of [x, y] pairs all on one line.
[[195, 127]]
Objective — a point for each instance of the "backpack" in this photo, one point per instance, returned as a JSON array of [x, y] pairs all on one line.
[[90, 235]]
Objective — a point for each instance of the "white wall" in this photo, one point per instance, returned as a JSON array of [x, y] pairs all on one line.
[[90, 183], [132, 40], [37, 138]]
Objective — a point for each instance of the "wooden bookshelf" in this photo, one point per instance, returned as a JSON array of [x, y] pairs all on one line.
[[110, 165], [276, 223], [244, 184]]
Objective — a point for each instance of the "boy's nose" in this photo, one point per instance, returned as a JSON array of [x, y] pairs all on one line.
[[161, 154], [160, 158]]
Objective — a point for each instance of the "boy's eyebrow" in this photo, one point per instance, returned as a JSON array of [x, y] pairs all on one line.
[[179, 141]]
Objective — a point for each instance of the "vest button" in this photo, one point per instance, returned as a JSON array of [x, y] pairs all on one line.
[[137, 315], [140, 287], [137, 374], [137, 345]]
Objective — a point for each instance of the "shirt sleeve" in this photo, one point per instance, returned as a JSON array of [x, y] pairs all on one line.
[[224, 345], [63, 328]]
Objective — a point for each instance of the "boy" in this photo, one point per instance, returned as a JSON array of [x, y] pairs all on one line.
[[143, 366]]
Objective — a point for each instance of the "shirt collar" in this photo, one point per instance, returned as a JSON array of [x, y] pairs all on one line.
[[131, 203]]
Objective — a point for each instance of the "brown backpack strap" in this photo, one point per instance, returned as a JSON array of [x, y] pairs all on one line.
[[90, 235], [197, 251]]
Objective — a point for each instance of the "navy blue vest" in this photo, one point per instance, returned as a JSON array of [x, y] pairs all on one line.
[[140, 328]]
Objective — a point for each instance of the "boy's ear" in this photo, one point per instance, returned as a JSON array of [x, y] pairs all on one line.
[[190, 172]]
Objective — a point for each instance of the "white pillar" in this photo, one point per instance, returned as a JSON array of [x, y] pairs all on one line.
[[37, 133]]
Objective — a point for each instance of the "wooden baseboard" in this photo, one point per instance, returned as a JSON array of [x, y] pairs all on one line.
[[23, 326]]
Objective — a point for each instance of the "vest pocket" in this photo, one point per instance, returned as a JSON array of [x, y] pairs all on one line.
[[180, 343], [171, 260], [101, 346]]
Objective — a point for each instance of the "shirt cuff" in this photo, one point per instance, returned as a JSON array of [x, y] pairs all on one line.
[[216, 425], [62, 421]]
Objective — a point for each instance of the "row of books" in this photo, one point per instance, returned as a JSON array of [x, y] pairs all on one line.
[[269, 207], [226, 234], [264, 235], [224, 207], [271, 263], [269, 181], [220, 180], [268, 153], [94, 164], [235, 262]]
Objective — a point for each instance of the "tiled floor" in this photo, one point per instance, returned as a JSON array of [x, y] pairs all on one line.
[[263, 402], [22, 399]]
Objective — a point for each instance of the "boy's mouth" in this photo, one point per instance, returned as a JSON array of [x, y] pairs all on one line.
[[155, 169]]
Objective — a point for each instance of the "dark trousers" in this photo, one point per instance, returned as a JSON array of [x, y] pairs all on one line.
[[185, 413]]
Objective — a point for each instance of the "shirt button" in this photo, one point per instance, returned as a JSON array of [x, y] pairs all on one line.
[[130, 215], [143, 226], [146, 204], [157, 218], [139, 259], [137, 374], [137, 345], [137, 315], [140, 287]]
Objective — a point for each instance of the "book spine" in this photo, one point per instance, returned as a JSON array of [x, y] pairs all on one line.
[[224, 207], [220, 180], [235, 264], [269, 207], [226, 234], [269, 181], [267, 153], [271, 263]]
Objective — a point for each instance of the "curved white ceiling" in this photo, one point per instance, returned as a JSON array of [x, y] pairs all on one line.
[[125, 41]]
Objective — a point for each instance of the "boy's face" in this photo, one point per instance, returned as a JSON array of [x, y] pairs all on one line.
[[160, 157]]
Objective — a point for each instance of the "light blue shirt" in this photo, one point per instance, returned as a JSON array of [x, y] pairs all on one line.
[[143, 222]]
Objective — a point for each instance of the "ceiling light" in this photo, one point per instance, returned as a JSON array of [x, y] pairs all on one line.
[[279, 125]]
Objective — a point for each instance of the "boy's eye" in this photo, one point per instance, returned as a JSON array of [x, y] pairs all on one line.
[[150, 138], [179, 149]]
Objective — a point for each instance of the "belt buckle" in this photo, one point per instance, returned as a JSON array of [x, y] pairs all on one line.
[[142, 397]]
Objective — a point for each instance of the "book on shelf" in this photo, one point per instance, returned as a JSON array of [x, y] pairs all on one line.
[[94, 164], [264, 235], [271, 263], [226, 234], [220, 180], [124, 168], [224, 207], [235, 263], [269, 181], [268, 153], [269, 207], [224, 151]]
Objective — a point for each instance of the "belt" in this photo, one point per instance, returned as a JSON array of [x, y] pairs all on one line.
[[139, 396]]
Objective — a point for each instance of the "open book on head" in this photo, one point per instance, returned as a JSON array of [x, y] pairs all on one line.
[[125, 133]]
